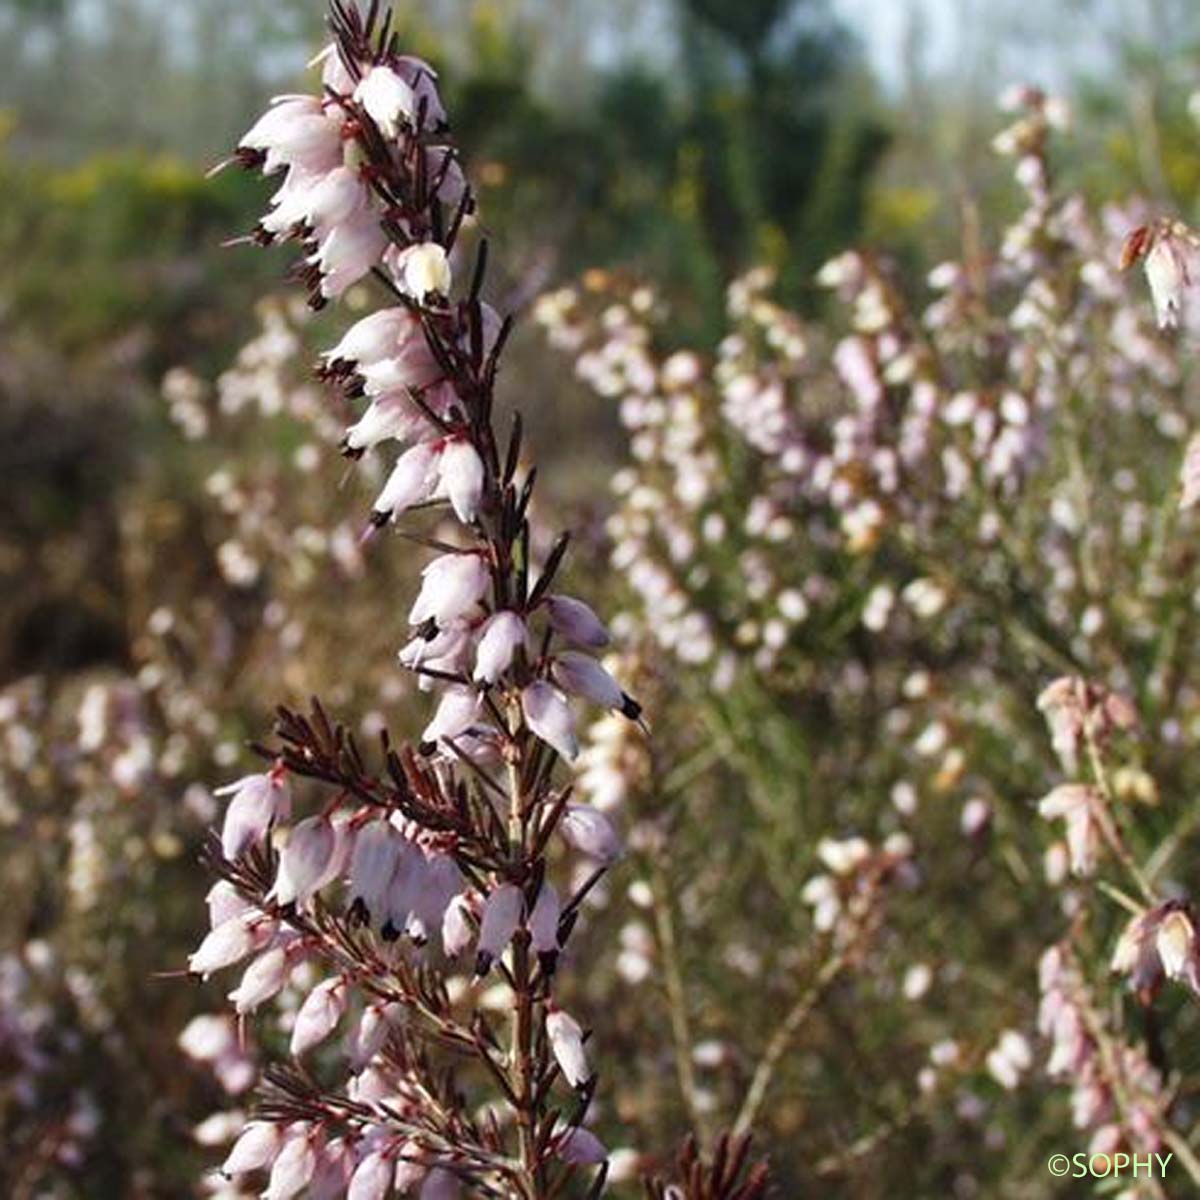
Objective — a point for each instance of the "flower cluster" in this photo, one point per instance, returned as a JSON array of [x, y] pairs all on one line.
[[1118, 1090], [1167, 250], [845, 899], [894, 535], [42, 1074], [918, 427], [1116, 1094], [1159, 944], [377, 919]]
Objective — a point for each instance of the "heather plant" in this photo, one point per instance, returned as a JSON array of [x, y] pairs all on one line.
[[91, 812], [358, 915], [99, 825], [865, 565], [889, 860]]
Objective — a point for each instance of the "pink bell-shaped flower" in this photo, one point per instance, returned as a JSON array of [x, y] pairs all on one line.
[[501, 915], [575, 621], [319, 1015], [388, 100], [503, 635], [462, 478], [566, 1041], [549, 716], [451, 586]]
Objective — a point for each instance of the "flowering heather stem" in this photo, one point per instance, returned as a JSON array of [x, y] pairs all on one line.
[[1110, 1056], [521, 1048], [435, 846]]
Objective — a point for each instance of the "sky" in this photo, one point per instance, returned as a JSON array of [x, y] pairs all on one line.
[[883, 25], [1044, 42]]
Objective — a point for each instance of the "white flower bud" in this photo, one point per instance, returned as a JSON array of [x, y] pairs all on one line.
[[390, 417], [228, 943], [258, 802], [408, 880], [575, 621], [218, 1128], [566, 1040], [1175, 942], [1128, 951], [447, 643], [451, 586], [843, 856], [292, 203], [373, 1029], [1168, 270], [444, 173], [295, 131], [503, 635], [457, 929], [263, 978], [376, 1083], [501, 916], [624, 1165], [422, 79], [235, 1071], [293, 1168], [412, 481], [423, 270], [206, 1037], [457, 711], [339, 861], [334, 76], [256, 1148], [374, 337], [349, 252], [389, 101], [285, 111], [1076, 805], [304, 861], [1010, 1059], [372, 1178], [377, 850], [313, 144], [581, 1147], [318, 202], [409, 1174], [549, 716], [224, 903], [441, 881], [462, 478], [584, 676], [335, 1164], [590, 832], [337, 197], [543, 921], [410, 364], [318, 1015]]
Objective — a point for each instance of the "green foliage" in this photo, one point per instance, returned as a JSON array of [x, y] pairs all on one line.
[[122, 242], [787, 128]]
